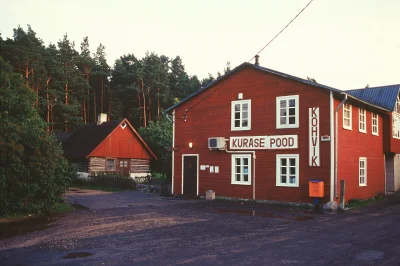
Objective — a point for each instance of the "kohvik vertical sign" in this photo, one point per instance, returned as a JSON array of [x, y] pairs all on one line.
[[314, 136]]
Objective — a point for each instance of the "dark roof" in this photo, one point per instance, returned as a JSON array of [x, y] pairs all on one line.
[[383, 96], [79, 144], [60, 136], [238, 68]]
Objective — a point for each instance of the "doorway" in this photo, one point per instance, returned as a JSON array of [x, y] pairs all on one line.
[[190, 174], [124, 167]]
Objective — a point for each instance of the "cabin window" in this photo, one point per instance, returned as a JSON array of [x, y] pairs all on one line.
[[287, 111], [362, 127], [347, 116], [363, 171], [241, 169], [375, 124], [396, 126], [287, 170], [110, 165], [241, 115]]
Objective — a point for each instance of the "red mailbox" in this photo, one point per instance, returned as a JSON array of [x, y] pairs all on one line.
[[316, 188]]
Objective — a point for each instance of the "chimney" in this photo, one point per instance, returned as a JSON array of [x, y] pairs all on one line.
[[101, 118], [256, 62]]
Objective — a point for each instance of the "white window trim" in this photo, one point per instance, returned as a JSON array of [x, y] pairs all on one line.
[[344, 126], [233, 128], [233, 170], [278, 170], [377, 124], [362, 111], [365, 171], [278, 113], [394, 114]]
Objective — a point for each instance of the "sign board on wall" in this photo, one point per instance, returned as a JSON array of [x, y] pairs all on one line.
[[263, 142], [314, 159]]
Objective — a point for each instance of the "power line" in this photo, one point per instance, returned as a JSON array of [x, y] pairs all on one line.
[[235, 70], [287, 25]]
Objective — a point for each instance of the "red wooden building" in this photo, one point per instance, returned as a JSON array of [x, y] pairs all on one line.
[[256, 133], [108, 146]]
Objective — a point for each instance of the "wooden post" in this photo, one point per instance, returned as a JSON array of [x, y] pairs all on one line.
[[342, 192]]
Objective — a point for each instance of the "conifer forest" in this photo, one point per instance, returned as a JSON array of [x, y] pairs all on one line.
[[73, 85]]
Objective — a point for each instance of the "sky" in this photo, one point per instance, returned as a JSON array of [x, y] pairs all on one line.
[[345, 44]]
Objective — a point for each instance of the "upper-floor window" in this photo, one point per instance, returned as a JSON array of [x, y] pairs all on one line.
[[396, 126], [287, 170], [362, 127], [375, 124], [397, 107], [287, 111], [396, 119], [347, 116], [241, 115], [241, 169]]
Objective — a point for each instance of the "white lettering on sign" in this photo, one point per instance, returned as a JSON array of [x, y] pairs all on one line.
[[252, 143], [263, 142], [282, 142], [314, 159]]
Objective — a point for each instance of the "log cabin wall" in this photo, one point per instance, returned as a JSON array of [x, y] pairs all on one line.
[[140, 166], [97, 164]]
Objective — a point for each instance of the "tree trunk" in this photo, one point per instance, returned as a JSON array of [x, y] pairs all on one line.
[[84, 111], [88, 98], [158, 103], [150, 112], [94, 105], [66, 104], [140, 107], [144, 106], [102, 92], [109, 111], [48, 105], [158, 97], [52, 118]]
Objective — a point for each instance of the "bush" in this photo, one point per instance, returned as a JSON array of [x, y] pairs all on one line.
[[33, 171], [112, 179]]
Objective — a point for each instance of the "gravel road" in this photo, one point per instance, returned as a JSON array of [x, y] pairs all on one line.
[[131, 228]]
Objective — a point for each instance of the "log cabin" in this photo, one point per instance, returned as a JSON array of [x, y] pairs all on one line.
[[108, 146]]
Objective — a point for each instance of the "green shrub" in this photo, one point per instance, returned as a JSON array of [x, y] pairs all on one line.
[[33, 171], [111, 179]]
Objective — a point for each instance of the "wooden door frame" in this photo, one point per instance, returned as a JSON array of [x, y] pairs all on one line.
[[198, 172]]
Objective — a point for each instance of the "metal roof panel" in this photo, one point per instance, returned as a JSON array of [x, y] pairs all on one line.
[[383, 96]]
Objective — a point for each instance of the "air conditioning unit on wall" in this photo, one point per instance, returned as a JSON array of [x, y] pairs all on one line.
[[216, 143]]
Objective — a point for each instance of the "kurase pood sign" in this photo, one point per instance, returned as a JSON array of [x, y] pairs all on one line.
[[263, 142]]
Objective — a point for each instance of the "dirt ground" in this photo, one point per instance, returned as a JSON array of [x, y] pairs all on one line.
[[131, 228]]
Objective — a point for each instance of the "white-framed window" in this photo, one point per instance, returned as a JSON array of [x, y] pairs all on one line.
[[287, 170], [375, 124], [287, 111], [110, 165], [362, 123], [362, 171], [347, 116], [241, 169], [397, 107], [241, 115], [396, 125]]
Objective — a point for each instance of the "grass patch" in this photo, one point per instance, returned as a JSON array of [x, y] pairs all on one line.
[[57, 208], [61, 207], [96, 187], [357, 203]]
